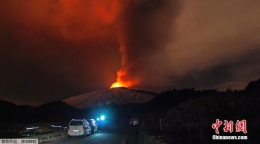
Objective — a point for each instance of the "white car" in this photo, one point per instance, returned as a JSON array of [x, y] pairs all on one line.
[[79, 127]]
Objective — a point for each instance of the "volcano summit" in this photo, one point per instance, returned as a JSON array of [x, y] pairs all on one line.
[[120, 95]]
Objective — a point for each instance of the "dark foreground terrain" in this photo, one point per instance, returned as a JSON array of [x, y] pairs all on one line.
[[174, 116]]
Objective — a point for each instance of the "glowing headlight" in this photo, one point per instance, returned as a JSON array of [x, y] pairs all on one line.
[[102, 117]]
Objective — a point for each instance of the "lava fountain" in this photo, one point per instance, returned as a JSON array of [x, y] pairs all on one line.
[[122, 80]]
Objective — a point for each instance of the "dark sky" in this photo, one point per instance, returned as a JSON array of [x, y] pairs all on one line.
[[54, 49]]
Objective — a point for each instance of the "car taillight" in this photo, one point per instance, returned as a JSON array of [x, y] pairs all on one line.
[[82, 127], [68, 128]]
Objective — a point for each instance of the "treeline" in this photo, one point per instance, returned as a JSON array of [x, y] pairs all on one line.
[[188, 114], [59, 111], [48, 112]]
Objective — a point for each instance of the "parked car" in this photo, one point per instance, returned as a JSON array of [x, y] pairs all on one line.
[[134, 121], [79, 127], [94, 125]]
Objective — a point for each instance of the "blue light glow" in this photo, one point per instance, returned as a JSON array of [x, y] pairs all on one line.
[[102, 117]]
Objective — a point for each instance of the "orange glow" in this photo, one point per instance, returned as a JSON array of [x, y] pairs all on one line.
[[120, 82], [105, 10], [123, 80], [86, 19], [116, 84]]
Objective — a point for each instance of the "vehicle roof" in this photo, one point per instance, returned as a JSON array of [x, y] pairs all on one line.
[[77, 119]]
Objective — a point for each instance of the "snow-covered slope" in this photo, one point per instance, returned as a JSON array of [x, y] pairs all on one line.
[[105, 97]]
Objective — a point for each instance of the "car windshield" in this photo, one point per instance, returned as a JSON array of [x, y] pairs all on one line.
[[76, 123]]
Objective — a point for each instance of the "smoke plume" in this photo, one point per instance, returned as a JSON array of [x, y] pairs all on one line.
[[53, 49], [204, 45]]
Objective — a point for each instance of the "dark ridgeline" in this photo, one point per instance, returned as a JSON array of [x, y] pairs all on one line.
[[58, 111], [8, 111], [52, 111], [253, 88], [15, 119]]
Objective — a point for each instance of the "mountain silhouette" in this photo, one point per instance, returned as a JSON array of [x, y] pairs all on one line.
[[104, 97]]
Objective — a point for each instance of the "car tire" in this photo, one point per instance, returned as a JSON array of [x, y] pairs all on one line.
[[69, 136]]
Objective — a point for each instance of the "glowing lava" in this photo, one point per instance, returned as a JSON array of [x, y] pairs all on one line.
[[117, 84], [123, 81], [119, 81]]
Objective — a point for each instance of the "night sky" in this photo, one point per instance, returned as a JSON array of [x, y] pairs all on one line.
[[54, 49]]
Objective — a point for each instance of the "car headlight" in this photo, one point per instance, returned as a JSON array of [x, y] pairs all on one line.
[[102, 117]]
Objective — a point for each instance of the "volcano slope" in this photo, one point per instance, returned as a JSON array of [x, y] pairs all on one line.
[[104, 97]]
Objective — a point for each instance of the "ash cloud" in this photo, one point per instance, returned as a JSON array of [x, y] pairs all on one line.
[[51, 50], [204, 45], [143, 33], [216, 44]]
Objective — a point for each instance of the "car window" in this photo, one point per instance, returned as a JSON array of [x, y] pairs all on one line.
[[76, 123]]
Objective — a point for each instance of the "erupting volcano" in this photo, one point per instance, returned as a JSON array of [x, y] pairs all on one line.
[[116, 85], [123, 80], [120, 82]]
